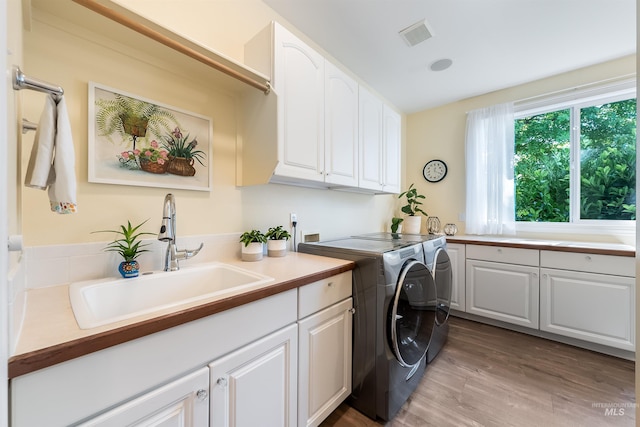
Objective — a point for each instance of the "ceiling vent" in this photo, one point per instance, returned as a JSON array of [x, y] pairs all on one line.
[[416, 33]]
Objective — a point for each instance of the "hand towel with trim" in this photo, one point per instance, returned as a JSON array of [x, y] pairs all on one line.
[[52, 161]]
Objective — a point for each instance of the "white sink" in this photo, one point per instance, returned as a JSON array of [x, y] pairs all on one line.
[[103, 301]]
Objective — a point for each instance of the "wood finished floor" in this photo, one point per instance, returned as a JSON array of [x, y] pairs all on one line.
[[489, 376]]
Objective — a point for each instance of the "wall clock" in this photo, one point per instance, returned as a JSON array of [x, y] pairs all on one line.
[[434, 170]]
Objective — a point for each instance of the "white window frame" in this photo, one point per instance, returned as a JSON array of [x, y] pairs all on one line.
[[576, 99]]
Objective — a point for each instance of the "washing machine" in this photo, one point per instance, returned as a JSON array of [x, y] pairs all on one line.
[[394, 296], [434, 248]]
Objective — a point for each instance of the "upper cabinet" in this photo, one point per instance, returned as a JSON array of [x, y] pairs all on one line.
[[317, 139], [380, 134]]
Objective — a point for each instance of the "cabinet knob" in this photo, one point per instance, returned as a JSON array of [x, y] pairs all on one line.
[[352, 310], [588, 258], [222, 382], [534, 275], [202, 394], [330, 284], [544, 276], [499, 250]]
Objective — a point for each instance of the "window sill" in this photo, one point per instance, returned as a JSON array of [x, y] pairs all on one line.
[[623, 231]]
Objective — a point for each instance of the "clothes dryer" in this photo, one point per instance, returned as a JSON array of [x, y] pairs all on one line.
[[434, 249], [394, 298]]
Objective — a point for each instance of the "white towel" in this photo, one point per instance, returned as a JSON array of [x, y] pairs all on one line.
[[52, 161]]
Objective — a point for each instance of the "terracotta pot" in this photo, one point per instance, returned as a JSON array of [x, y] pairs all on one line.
[[181, 166]]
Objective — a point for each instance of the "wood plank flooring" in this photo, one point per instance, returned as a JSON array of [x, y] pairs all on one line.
[[489, 376]]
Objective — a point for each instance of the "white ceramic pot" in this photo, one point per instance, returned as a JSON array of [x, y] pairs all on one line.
[[252, 252], [276, 248], [412, 224]]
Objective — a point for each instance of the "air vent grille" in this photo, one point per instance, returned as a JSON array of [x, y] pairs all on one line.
[[416, 33]]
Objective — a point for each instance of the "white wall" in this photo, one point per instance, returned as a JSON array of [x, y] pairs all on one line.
[[71, 56], [440, 133]]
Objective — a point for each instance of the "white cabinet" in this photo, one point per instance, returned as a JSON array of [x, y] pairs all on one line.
[[341, 127], [590, 306], [456, 254], [501, 290], [309, 131], [181, 403], [256, 385], [325, 348], [298, 80], [380, 131]]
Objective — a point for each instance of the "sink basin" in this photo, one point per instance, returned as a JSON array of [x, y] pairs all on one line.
[[103, 301]]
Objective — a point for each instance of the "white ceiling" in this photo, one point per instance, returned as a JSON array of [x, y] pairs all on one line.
[[494, 44]]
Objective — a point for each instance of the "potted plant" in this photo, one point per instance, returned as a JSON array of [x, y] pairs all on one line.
[[277, 241], [129, 246], [182, 153], [396, 226], [414, 221], [252, 245], [130, 117]]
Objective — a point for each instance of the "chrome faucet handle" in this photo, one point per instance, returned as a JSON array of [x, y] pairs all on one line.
[[189, 253]]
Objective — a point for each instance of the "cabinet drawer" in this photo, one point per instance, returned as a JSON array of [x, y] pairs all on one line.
[[591, 263], [323, 293], [503, 254]]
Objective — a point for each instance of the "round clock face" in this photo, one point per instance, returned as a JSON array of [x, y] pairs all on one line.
[[435, 170]]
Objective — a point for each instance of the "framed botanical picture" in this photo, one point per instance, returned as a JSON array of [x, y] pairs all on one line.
[[138, 141]]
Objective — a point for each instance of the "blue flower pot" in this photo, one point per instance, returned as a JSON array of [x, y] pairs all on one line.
[[129, 269]]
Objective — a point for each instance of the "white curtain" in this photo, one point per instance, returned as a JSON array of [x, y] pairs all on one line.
[[489, 162]]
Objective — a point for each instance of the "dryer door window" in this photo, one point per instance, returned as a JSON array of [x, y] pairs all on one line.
[[412, 315], [443, 276]]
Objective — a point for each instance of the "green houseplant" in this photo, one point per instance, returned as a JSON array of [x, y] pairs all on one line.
[[413, 222], [277, 241], [130, 117], [182, 153], [129, 246], [395, 224], [252, 245]]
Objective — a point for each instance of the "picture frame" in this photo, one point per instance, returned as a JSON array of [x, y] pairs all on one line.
[[141, 142]]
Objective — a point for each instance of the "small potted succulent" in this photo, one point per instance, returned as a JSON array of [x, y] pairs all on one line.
[[277, 241], [129, 246], [252, 245], [413, 222]]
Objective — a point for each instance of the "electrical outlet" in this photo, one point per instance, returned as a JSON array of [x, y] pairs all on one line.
[[294, 218]]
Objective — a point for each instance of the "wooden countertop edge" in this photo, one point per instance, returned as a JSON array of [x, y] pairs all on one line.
[[557, 248], [32, 361]]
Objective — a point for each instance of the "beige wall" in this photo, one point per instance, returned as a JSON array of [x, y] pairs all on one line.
[[71, 56], [440, 133]]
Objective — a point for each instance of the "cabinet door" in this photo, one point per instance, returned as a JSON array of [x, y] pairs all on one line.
[[181, 403], [256, 385], [391, 141], [324, 362], [370, 113], [299, 84], [341, 127], [593, 307], [456, 254], [505, 292]]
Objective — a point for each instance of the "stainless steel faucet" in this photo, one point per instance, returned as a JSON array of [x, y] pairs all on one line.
[[168, 234]]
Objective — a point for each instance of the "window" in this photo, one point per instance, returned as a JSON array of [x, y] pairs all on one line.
[[575, 159]]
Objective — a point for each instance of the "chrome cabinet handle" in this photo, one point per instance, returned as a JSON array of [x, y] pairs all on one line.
[[222, 382], [202, 394]]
